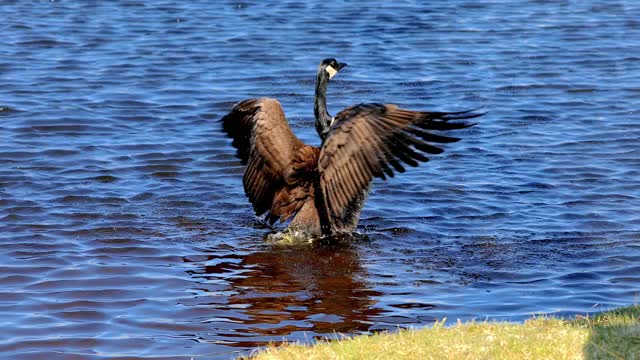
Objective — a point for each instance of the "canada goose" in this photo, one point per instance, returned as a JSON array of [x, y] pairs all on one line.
[[324, 188]]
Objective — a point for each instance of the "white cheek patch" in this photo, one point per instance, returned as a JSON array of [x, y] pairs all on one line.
[[331, 71]]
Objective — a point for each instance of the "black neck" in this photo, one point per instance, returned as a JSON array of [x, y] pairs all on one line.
[[323, 119]]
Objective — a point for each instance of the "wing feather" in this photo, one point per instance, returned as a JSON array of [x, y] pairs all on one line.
[[373, 140], [265, 143]]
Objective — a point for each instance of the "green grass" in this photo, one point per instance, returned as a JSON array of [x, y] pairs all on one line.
[[611, 335]]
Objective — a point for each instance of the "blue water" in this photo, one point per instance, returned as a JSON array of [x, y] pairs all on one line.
[[125, 232]]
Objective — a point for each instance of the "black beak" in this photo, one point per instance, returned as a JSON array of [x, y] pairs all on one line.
[[341, 65]]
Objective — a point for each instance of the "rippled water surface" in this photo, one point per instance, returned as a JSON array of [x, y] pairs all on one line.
[[125, 231]]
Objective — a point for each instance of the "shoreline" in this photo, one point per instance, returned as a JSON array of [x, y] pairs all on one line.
[[611, 334]]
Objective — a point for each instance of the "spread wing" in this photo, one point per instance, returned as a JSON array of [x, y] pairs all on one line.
[[265, 144], [370, 140]]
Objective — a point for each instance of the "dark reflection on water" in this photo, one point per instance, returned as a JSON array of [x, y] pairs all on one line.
[[125, 233], [282, 292]]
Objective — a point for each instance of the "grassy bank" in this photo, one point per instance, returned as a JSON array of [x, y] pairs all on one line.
[[611, 335]]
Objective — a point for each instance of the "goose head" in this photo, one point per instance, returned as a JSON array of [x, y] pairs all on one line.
[[330, 67]]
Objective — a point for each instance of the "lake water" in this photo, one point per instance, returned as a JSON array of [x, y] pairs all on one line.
[[124, 228]]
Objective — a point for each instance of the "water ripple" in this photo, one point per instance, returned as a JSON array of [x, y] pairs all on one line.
[[126, 233]]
